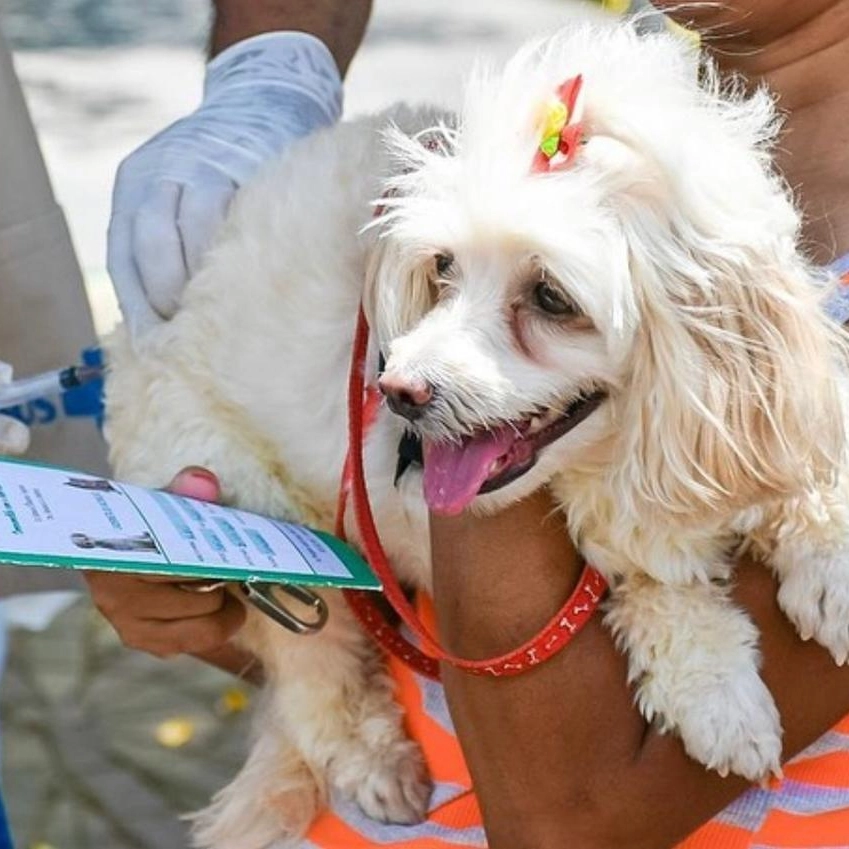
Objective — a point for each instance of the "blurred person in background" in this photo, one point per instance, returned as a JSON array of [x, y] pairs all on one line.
[[45, 320]]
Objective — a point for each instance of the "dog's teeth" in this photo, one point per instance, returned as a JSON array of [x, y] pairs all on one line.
[[538, 423]]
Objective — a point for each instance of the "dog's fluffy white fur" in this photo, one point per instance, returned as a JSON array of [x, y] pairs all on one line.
[[676, 247]]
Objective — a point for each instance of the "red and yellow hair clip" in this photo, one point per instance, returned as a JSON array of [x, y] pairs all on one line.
[[561, 129]]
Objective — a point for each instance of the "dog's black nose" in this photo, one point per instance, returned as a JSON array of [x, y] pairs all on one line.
[[407, 397]]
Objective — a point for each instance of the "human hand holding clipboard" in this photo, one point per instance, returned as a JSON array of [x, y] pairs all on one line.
[[161, 566]]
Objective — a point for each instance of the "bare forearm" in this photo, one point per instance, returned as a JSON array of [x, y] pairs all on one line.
[[340, 24], [799, 50], [563, 749]]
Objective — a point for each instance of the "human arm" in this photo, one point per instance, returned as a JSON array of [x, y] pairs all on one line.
[[562, 751], [154, 614], [799, 50], [340, 25], [275, 76]]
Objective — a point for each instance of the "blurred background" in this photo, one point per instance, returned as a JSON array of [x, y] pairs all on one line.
[[104, 748], [102, 75]]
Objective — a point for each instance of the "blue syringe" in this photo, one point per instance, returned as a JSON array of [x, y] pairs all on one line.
[[47, 384]]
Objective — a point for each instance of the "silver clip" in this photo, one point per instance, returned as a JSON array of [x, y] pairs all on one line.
[[262, 596]]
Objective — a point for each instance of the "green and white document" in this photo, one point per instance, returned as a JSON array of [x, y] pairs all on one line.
[[64, 518]]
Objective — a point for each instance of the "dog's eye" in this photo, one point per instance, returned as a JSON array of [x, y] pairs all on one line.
[[551, 300], [444, 264]]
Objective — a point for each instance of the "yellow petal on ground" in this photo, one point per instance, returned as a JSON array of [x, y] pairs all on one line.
[[234, 700], [175, 732]]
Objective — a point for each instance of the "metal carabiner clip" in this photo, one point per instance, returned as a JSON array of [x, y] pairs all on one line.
[[262, 596]]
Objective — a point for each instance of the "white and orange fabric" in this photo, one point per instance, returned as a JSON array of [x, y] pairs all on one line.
[[808, 809]]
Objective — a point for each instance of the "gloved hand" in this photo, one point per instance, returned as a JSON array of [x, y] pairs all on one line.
[[14, 435], [172, 193]]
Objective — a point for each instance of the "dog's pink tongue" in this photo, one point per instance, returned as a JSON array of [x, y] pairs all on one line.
[[454, 472]]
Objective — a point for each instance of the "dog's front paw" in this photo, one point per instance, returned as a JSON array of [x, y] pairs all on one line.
[[389, 782], [730, 724], [814, 595]]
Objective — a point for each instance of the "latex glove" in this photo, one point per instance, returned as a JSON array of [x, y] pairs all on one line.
[[14, 435], [172, 193]]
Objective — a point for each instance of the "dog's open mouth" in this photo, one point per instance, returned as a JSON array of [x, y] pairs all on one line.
[[456, 472]]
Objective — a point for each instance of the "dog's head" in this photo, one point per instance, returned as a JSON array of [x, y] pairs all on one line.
[[649, 298]]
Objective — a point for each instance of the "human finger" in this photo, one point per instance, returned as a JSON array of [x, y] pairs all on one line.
[[196, 635], [200, 214], [158, 250], [14, 436], [124, 274], [196, 482], [122, 598]]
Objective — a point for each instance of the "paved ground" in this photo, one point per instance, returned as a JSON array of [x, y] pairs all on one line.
[[103, 748]]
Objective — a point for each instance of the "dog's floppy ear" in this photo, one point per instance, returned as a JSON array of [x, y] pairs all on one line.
[[397, 291], [733, 396]]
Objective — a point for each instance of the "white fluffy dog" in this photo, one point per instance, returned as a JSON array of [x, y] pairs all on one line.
[[653, 294]]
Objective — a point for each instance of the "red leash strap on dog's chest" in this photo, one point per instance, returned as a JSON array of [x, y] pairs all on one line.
[[554, 636], [561, 131]]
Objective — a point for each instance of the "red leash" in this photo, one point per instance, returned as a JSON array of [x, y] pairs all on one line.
[[577, 610], [560, 139]]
